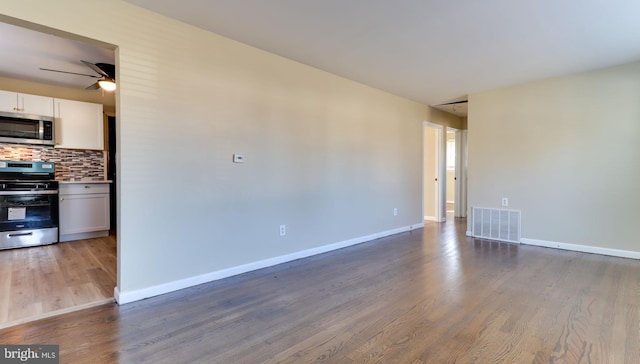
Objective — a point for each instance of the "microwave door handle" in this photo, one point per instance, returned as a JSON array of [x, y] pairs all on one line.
[[41, 130]]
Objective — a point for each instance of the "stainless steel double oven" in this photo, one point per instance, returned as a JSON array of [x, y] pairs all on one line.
[[28, 204]]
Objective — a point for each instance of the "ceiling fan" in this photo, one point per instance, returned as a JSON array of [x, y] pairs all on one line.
[[106, 71]]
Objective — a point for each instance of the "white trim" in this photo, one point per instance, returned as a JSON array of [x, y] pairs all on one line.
[[582, 248], [419, 225], [431, 218], [140, 294], [469, 233], [80, 236]]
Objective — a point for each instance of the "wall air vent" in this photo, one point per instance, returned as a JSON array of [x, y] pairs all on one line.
[[496, 224]]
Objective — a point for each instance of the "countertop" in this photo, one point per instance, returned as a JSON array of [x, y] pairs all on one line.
[[85, 182]]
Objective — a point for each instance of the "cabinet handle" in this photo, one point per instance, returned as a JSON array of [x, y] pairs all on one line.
[[61, 198]]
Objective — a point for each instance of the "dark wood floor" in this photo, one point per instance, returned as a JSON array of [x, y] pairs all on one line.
[[42, 280], [427, 296]]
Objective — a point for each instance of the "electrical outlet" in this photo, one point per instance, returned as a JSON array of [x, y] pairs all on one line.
[[283, 230], [395, 211], [505, 201]]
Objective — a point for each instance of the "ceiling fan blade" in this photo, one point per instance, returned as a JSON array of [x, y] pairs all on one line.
[[109, 68], [95, 86], [71, 73], [98, 70]]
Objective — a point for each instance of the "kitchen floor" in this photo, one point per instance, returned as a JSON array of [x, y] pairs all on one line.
[[38, 281]]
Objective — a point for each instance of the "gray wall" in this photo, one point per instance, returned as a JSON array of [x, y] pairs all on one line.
[[566, 153], [328, 157]]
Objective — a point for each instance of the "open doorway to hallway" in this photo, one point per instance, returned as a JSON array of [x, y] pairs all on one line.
[[444, 172], [451, 172]]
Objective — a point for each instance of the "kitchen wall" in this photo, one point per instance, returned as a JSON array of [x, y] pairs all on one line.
[[565, 152], [328, 157], [70, 164]]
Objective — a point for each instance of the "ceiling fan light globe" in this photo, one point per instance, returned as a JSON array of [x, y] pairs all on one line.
[[107, 85]]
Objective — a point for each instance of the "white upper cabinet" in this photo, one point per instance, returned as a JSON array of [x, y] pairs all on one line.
[[79, 125], [26, 104], [8, 101]]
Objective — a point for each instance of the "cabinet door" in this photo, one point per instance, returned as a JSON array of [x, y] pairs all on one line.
[[84, 213], [79, 125], [8, 101], [37, 105]]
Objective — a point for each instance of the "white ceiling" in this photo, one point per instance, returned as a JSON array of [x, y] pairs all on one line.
[[431, 51], [24, 52]]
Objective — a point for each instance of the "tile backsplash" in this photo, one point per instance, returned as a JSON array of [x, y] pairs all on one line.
[[71, 164]]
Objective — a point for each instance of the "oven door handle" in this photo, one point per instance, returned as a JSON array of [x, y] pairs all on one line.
[[43, 192], [20, 234]]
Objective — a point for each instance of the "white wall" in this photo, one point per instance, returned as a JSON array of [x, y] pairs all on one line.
[[565, 151], [328, 157]]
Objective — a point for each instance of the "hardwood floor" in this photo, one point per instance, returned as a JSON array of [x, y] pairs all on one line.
[[427, 296], [40, 280]]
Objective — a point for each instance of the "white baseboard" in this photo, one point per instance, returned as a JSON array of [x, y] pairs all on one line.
[[431, 218], [417, 226], [582, 248], [468, 233], [140, 294], [78, 236]]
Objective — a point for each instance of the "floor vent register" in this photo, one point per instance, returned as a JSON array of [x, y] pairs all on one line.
[[496, 224]]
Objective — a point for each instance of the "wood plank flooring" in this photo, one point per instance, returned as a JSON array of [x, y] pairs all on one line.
[[39, 280], [427, 296]]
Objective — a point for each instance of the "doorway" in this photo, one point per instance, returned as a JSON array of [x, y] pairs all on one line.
[[47, 280], [450, 189], [444, 172]]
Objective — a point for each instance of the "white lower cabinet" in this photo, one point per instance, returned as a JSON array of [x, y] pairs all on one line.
[[84, 210]]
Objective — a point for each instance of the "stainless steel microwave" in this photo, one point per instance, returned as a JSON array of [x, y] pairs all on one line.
[[26, 129]]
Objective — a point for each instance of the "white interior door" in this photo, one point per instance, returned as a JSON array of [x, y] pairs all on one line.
[[461, 174], [434, 202]]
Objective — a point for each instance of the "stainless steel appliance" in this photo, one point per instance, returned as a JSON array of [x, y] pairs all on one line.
[[26, 129], [28, 204]]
